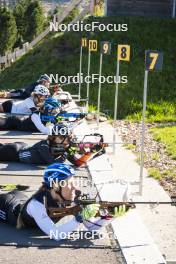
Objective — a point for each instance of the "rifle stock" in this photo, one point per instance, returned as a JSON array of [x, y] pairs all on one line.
[[73, 210]]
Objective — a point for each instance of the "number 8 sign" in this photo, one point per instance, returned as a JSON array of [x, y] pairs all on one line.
[[123, 53], [153, 60]]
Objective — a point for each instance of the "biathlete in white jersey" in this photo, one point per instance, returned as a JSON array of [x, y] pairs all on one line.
[[33, 122], [21, 211], [27, 106]]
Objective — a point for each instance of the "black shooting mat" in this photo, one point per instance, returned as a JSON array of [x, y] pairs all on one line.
[[21, 135], [22, 169]]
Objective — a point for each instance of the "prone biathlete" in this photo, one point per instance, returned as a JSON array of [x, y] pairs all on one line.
[[66, 100], [21, 211], [56, 148], [33, 122], [25, 92], [27, 106]]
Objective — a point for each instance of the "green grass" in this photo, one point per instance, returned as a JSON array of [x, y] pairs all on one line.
[[92, 108], [130, 146], [155, 156], [158, 175], [166, 135], [154, 173], [171, 173], [161, 111], [60, 54]]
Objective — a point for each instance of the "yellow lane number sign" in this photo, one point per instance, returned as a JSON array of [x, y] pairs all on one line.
[[123, 52], [93, 45], [105, 47], [153, 60]]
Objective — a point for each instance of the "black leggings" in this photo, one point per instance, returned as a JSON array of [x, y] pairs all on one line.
[[7, 106], [20, 124], [10, 205], [9, 152]]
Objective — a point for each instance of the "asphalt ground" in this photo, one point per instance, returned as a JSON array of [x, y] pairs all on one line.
[[29, 246]]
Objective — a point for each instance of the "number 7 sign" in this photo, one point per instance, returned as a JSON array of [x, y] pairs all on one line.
[[153, 60]]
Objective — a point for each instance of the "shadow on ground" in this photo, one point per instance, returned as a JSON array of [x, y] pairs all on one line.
[[10, 236]]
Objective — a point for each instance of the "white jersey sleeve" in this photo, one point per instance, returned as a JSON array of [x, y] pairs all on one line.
[[38, 123], [23, 107], [38, 211]]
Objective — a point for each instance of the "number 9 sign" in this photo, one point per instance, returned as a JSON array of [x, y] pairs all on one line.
[[123, 52], [153, 60], [105, 47]]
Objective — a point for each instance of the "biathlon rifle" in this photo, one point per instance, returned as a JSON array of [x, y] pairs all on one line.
[[88, 144], [92, 145], [61, 117], [80, 203]]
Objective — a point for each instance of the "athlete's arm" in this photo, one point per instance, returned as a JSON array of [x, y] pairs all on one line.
[[37, 122], [79, 159], [38, 211], [45, 154]]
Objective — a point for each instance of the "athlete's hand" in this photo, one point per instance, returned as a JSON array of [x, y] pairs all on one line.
[[117, 212], [90, 211]]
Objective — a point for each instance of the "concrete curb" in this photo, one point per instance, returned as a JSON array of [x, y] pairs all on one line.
[[133, 237]]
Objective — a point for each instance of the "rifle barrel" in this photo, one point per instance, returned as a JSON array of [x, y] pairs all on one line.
[[106, 203], [59, 212]]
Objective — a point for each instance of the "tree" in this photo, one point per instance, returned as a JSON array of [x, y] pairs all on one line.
[[30, 19], [34, 20], [8, 30], [19, 17]]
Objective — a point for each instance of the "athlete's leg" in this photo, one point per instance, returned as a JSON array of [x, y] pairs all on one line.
[[2, 122], [1, 109], [9, 152], [6, 106], [10, 204], [3, 213]]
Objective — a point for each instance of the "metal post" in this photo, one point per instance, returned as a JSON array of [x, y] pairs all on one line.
[[99, 89], [80, 71], [106, 7], [173, 10], [116, 103], [88, 84], [52, 6], [143, 132]]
